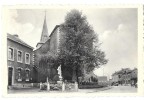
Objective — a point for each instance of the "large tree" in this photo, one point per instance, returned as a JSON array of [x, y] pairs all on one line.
[[79, 46]]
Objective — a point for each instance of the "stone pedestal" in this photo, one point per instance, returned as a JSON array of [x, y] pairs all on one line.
[[40, 85], [48, 86], [32, 84], [59, 82], [63, 86], [76, 86]]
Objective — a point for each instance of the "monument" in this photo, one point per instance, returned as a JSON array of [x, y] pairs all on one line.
[[60, 74]]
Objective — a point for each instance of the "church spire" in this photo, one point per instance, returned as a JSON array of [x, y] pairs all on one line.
[[44, 35]]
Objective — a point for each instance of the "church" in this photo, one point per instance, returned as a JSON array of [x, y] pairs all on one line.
[[48, 45]]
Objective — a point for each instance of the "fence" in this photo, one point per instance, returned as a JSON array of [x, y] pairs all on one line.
[[70, 86], [67, 86]]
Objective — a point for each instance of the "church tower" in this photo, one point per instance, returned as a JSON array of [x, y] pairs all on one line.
[[44, 35]]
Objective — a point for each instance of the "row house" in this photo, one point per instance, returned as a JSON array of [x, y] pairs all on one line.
[[134, 76], [125, 76], [116, 77], [19, 61]]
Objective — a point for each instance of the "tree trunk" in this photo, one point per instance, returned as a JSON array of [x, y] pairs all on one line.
[[74, 76]]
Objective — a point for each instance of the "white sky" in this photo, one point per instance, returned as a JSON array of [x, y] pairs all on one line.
[[117, 29]]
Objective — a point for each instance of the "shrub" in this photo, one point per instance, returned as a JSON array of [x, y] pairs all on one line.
[[44, 87]]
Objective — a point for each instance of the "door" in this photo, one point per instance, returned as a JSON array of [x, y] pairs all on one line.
[[10, 73]]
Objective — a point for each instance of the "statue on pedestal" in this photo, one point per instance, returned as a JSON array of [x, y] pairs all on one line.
[[60, 73]]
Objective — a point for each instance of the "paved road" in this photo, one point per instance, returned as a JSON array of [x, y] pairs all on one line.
[[120, 89], [36, 90], [113, 89]]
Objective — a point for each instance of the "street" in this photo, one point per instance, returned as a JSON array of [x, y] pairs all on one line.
[[110, 89], [120, 89]]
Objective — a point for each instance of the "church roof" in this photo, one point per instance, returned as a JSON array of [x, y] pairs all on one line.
[[44, 36], [87, 76], [18, 40], [54, 30]]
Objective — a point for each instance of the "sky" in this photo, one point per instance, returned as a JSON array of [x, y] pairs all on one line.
[[116, 28]]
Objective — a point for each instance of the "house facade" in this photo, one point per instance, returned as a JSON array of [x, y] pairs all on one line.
[[134, 76], [19, 61], [102, 80], [115, 77], [125, 76]]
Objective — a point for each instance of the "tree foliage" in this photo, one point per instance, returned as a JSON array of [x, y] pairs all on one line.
[[79, 48], [46, 63]]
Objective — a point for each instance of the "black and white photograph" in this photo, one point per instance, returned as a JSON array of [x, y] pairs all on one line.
[[72, 50]]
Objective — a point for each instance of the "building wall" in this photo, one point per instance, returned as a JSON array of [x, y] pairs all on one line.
[[115, 78], [54, 41], [50, 45], [42, 50], [14, 64], [126, 76], [134, 73], [134, 76], [37, 56], [102, 78]]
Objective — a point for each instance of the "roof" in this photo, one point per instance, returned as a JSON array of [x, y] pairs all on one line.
[[48, 38], [16, 39], [102, 78], [44, 35], [122, 71], [135, 69], [87, 76], [54, 29], [91, 75], [116, 73], [41, 45]]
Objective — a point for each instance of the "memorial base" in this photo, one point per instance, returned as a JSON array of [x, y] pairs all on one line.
[[59, 82]]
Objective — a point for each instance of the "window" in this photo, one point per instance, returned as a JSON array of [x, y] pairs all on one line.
[[19, 74], [27, 74], [10, 54], [19, 56], [27, 58]]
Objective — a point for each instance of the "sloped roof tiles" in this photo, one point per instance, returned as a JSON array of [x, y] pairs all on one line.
[[16, 39]]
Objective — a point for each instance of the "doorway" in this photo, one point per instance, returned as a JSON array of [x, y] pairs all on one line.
[[10, 73]]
